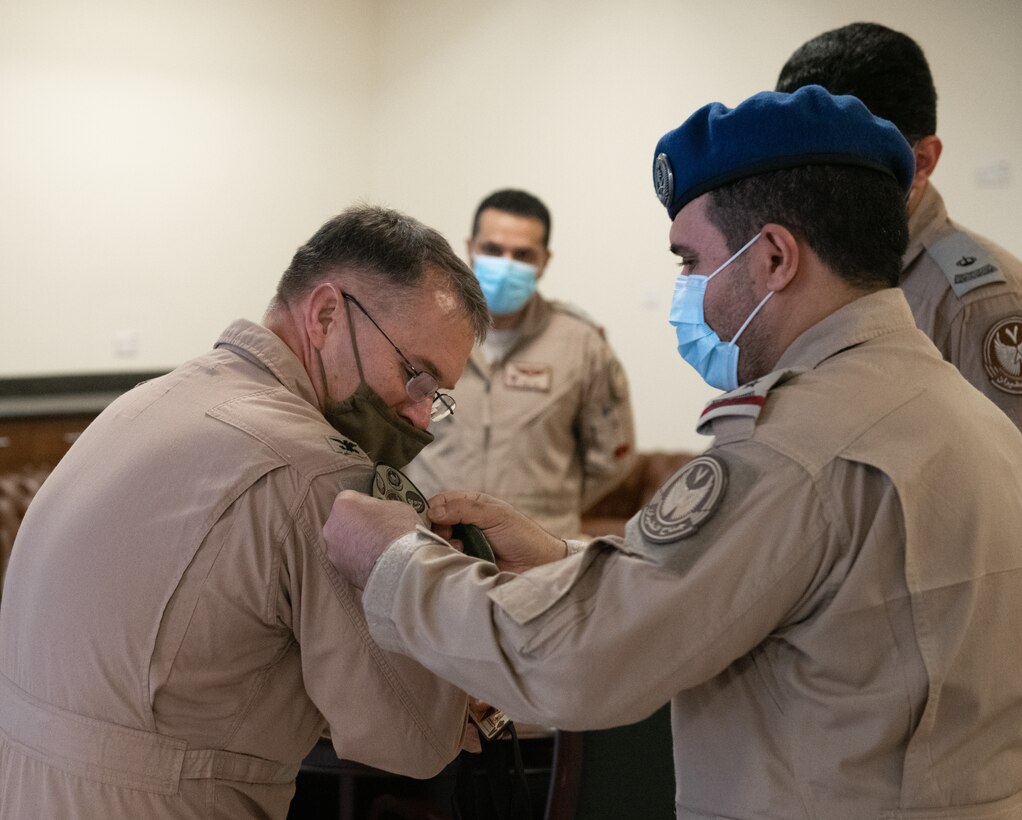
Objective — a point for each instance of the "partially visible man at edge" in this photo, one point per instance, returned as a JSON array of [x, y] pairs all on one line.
[[831, 595], [173, 639], [965, 291], [546, 420]]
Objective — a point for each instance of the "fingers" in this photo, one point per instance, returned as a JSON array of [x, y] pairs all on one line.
[[473, 508]]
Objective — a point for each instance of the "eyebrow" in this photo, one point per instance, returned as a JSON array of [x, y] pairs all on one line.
[[428, 366], [682, 250]]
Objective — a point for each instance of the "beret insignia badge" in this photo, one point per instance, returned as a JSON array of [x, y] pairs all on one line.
[[663, 179], [689, 498]]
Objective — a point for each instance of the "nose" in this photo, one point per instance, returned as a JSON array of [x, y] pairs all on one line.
[[417, 412]]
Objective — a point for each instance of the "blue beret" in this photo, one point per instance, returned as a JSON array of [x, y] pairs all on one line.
[[773, 130]]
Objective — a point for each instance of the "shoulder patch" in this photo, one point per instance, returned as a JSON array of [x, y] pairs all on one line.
[[747, 400], [689, 498], [391, 484], [966, 265], [1002, 355]]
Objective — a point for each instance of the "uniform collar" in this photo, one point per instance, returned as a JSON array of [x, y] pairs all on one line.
[[265, 348], [925, 223], [868, 317], [535, 317]]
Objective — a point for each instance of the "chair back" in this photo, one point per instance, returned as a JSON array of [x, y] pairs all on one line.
[[609, 774]]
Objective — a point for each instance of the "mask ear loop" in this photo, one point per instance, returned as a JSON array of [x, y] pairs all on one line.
[[745, 324], [351, 332], [354, 348], [735, 255]]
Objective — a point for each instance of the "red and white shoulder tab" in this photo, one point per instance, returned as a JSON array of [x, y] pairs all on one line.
[[746, 401]]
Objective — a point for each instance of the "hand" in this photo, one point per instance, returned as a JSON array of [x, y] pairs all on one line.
[[359, 530], [518, 542]]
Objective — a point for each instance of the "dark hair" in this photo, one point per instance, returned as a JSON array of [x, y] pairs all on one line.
[[884, 68], [853, 218], [382, 244], [519, 203]]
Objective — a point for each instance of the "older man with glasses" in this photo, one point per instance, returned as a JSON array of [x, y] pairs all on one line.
[[173, 639]]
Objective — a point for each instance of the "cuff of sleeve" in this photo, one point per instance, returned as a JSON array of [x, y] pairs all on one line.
[[381, 588], [574, 547]]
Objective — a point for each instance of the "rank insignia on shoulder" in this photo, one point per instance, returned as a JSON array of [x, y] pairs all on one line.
[[344, 446], [965, 264], [1002, 355], [681, 505], [747, 400]]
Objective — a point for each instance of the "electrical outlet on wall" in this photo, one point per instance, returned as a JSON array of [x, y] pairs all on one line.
[[126, 344]]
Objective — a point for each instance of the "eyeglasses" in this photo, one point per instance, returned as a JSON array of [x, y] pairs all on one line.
[[420, 385]]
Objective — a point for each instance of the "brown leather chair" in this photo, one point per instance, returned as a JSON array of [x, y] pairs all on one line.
[[651, 469], [17, 489]]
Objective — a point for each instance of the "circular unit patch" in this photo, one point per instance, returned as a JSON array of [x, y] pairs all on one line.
[[391, 484], [691, 496], [1002, 355]]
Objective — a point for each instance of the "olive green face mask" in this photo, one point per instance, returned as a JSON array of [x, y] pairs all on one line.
[[365, 418]]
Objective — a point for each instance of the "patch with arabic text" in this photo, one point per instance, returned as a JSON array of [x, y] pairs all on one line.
[[1002, 355], [689, 498]]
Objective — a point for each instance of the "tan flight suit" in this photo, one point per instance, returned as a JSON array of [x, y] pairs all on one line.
[[173, 639], [831, 596], [966, 295], [548, 429]]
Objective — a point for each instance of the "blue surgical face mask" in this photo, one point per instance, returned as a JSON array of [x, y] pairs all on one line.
[[506, 283], [698, 343]]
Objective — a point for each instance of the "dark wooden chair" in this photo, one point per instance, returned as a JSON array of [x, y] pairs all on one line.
[[615, 774]]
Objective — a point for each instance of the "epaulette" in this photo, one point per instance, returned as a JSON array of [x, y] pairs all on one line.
[[742, 405], [965, 263], [576, 313]]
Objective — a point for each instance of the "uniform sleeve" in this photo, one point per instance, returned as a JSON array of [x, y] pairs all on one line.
[[607, 427], [607, 636], [985, 344], [383, 709]]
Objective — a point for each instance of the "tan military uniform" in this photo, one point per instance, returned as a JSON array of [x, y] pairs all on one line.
[[548, 429], [831, 595], [966, 295], [172, 637]]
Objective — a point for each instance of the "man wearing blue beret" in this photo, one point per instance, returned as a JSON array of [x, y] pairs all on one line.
[[964, 290], [830, 596]]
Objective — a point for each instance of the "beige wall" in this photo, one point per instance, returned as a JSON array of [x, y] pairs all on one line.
[[160, 161]]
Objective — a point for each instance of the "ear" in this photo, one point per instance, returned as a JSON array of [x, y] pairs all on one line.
[[927, 153], [541, 269], [782, 253], [322, 311]]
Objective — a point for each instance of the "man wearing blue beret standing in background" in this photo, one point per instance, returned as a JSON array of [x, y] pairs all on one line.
[[830, 596]]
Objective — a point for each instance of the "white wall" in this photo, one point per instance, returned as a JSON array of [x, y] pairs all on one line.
[[166, 158], [160, 160]]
